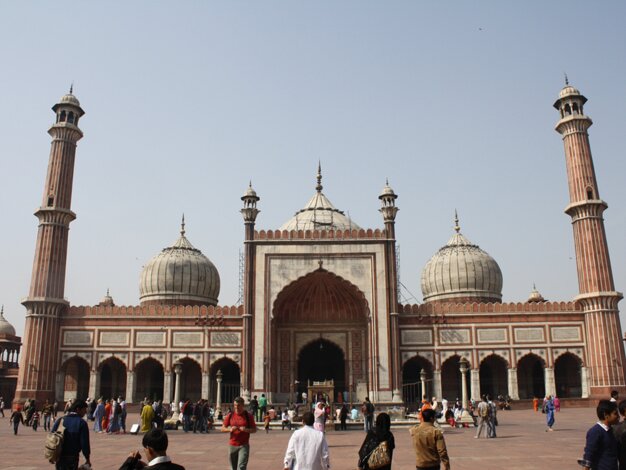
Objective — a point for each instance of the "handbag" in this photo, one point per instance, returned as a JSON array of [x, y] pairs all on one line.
[[379, 457]]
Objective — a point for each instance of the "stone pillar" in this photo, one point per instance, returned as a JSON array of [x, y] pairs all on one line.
[[178, 369], [205, 385], [167, 387], [423, 391], [60, 385], [437, 384], [584, 382], [94, 384], [549, 379], [130, 387], [475, 378], [512, 383], [464, 388], [218, 393]]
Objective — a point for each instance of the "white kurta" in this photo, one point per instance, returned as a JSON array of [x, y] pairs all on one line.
[[307, 450]]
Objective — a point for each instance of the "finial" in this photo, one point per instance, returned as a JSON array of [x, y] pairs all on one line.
[[320, 263], [2, 310], [108, 292], [72, 88], [319, 186], [250, 184], [182, 226], [457, 228], [566, 79], [387, 181]]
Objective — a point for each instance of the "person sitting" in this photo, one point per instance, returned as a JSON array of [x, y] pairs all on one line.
[[155, 447]]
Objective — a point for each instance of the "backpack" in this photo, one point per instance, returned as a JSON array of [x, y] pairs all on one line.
[[229, 417], [54, 444]]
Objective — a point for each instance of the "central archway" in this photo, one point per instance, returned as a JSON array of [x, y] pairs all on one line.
[[321, 360], [319, 331]]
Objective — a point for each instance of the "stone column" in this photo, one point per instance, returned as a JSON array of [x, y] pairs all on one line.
[[549, 379], [60, 386], [218, 399], [584, 382], [205, 385], [437, 384], [463, 369], [512, 383], [130, 387], [94, 384], [167, 387], [475, 378], [423, 388], [178, 369]]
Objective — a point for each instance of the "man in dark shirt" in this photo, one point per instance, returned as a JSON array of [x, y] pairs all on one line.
[[155, 447], [619, 431], [75, 436], [601, 448]]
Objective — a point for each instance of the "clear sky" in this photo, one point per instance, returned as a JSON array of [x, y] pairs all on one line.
[[187, 101]]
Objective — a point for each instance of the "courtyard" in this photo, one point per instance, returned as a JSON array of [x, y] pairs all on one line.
[[522, 443]]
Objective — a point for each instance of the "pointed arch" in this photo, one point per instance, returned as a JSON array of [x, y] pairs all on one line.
[[493, 376], [76, 381], [568, 375], [149, 378], [531, 376], [412, 392], [231, 379], [451, 382], [112, 377]]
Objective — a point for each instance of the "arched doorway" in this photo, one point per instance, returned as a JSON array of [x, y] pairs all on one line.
[[567, 376], [412, 392], [190, 380], [76, 383], [231, 380], [323, 305], [530, 377], [149, 376], [112, 378], [493, 376], [451, 382], [321, 360]]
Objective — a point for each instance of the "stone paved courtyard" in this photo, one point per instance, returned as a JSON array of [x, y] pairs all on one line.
[[522, 443]]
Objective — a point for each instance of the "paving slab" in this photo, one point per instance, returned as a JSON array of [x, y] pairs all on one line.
[[522, 443]]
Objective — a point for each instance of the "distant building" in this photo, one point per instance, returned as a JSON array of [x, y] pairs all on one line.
[[10, 345], [320, 302]]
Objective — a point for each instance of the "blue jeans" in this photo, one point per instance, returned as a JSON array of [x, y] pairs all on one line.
[[238, 457], [369, 422]]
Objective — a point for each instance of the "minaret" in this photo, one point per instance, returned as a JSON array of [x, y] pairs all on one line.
[[45, 302], [597, 295], [249, 213], [389, 210]]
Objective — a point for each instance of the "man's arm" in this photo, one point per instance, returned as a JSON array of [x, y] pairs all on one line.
[[592, 446], [84, 440], [290, 454], [442, 450], [226, 424], [325, 455]]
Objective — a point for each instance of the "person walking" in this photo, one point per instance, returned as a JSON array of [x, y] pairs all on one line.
[[536, 404], [368, 414], [147, 416], [319, 417], [429, 444], [549, 407], [380, 436], [266, 423], [47, 415], [240, 424], [483, 418], [307, 448], [601, 447], [75, 437], [262, 406], [2, 406], [254, 406], [123, 414], [98, 415], [16, 419], [493, 418], [155, 444], [343, 415]]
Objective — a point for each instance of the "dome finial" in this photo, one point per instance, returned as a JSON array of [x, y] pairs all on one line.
[[566, 79], [319, 186], [457, 227], [72, 88], [182, 226]]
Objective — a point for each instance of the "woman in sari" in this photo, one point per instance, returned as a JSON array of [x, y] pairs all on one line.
[[320, 417], [98, 414], [549, 407], [107, 413], [374, 438], [147, 415]]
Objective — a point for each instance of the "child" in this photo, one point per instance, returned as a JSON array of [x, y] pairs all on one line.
[[35, 420], [601, 447], [266, 420]]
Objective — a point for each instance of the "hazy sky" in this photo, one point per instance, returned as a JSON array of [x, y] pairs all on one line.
[[187, 101]]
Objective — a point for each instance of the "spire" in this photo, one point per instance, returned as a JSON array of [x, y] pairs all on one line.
[[457, 227], [182, 226], [319, 186], [566, 79], [72, 88], [108, 295]]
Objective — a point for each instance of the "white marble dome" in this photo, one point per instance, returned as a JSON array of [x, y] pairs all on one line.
[[179, 275], [69, 99], [461, 271], [5, 326]]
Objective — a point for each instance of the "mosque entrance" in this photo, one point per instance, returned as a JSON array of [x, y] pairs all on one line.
[[321, 361], [567, 376], [530, 377], [319, 332]]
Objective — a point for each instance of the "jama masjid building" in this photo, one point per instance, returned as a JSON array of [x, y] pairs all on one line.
[[321, 303]]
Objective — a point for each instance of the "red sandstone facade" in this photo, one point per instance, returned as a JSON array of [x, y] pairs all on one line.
[[322, 287]]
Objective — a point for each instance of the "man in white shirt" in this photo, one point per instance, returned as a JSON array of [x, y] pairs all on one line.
[[307, 448]]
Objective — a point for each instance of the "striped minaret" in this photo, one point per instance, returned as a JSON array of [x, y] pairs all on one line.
[[597, 295], [45, 301]]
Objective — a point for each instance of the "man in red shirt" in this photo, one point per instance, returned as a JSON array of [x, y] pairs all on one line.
[[240, 424]]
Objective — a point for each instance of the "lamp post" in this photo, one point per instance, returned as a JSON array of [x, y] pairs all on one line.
[[178, 370], [423, 380], [218, 400], [465, 415]]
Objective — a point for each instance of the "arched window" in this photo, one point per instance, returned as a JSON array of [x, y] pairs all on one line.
[[575, 108], [62, 118], [568, 110], [589, 193], [70, 118]]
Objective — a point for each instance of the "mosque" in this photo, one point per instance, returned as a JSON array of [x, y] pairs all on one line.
[[320, 290]]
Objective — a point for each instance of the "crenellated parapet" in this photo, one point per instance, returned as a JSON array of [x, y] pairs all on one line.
[[354, 234], [156, 311], [436, 308]]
